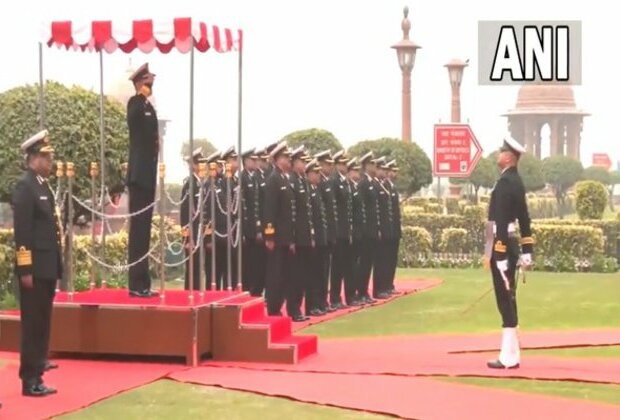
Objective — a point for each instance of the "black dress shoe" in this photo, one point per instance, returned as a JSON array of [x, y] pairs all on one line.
[[299, 318], [316, 312], [354, 302], [329, 309], [496, 364], [368, 300], [50, 365], [150, 293], [382, 295], [37, 390], [338, 306]]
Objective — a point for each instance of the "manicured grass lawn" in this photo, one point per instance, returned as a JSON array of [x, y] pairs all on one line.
[[583, 391], [548, 301], [594, 351], [172, 400]]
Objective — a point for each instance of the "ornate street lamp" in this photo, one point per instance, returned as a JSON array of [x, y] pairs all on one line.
[[406, 52]]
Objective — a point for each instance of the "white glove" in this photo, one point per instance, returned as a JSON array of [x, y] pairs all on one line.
[[502, 266], [525, 260]]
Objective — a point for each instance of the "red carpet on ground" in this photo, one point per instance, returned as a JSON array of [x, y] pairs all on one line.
[[407, 397], [430, 355], [404, 287], [80, 383]]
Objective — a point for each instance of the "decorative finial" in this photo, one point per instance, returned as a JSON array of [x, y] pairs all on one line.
[[406, 25]]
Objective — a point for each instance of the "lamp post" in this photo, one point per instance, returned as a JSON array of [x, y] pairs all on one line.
[[455, 72], [406, 51]]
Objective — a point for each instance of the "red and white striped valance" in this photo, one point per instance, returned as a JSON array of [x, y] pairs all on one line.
[[144, 35]]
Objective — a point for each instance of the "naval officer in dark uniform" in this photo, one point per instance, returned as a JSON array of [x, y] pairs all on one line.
[[190, 243], [381, 265], [314, 300], [38, 262], [279, 230], [342, 262], [370, 238], [253, 246], [329, 202], [304, 239], [357, 230], [141, 178], [508, 205], [392, 171]]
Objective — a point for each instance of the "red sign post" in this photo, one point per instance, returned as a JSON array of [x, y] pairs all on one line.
[[456, 151], [602, 160]]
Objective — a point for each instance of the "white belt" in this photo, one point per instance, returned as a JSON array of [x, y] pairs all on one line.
[[511, 228]]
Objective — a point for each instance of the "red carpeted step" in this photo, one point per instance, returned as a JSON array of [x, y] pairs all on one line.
[[279, 326], [241, 299], [253, 311], [307, 345]]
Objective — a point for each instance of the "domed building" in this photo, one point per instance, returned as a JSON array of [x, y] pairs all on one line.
[[552, 104]]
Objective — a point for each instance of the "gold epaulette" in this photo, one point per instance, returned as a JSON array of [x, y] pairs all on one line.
[[527, 240], [208, 229], [269, 230], [24, 257], [185, 232], [499, 247]]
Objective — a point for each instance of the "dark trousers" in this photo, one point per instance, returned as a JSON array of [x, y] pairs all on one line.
[[221, 265], [196, 265], [394, 246], [382, 260], [367, 259], [507, 299], [352, 285], [253, 268], [140, 237], [340, 270], [36, 317], [325, 271], [279, 270], [300, 282], [316, 293]]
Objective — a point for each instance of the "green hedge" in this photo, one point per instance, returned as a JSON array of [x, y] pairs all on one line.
[[415, 241], [610, 229], [592, 199], [455, 241]]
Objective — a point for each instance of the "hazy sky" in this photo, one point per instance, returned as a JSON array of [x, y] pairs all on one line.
[[321, 63]]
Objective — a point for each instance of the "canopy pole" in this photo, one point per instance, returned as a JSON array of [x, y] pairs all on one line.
[[191, 172], [41, 95], [102, 165], [239, 160]]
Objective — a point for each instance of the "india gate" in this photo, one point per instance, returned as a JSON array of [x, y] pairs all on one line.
[[551, 104]]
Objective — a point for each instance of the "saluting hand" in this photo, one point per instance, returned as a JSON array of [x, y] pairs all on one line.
[[27, 282]]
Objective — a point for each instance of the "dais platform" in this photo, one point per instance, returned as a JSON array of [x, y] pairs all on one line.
[[221, 325]]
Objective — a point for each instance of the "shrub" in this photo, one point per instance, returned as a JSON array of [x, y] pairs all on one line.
[[414, 241], [591, 199], [452, 205], [455, 240], [576, 241], [434, 224], [434, 208], [610, 229]]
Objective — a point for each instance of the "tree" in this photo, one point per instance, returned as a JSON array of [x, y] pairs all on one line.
[[484, 175], [531, 171], [561, 172], [207, 147], [591, 199], [415, 166], [72, 118], [614, 179], [315, 140]]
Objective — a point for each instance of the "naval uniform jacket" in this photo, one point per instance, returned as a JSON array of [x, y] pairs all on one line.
[[143, 143], [185, 215], [359, 212], [370, 196], [304, 231], [329, 201], [318, 216], [342, 193], [508, 204], [396, 220], [279, 211], [250, 186], [37, 229]]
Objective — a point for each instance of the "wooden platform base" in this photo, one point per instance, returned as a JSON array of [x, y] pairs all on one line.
[[223, 325]]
